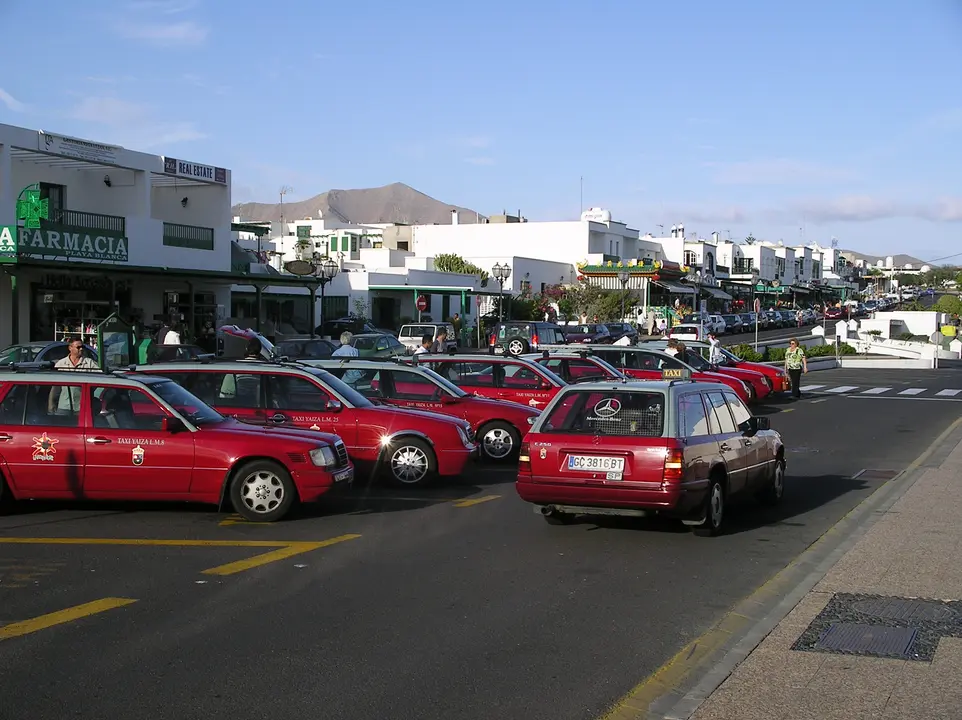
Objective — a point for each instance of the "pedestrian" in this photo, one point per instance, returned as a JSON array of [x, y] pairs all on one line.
[[346, 349], [795, 364], [66, 400], [440, 343], [650, 323], [671, 348], [456, 322], [715, 356], [173, 335], [427, 342]]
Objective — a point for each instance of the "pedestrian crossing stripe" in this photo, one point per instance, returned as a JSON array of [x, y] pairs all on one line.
[[876, 391], [948, 392], [842, 389], [912, 391], [809, 388], [906, 393]]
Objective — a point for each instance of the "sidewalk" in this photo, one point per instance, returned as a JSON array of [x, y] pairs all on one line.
[[913, 550]]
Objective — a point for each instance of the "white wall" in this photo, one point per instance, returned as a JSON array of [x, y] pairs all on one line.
[[565, 242], [917, 323]]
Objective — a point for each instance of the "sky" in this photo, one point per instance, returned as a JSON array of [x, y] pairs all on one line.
[[798, 122]]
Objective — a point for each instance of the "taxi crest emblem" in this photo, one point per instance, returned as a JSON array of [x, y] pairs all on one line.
[[137, 455], [543, 454], [44, 448]]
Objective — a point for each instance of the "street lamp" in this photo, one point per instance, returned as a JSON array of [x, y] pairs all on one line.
[[324, 270], [623, 277], [501, 273]]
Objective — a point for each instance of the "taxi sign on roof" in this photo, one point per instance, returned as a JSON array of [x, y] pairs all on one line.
[[675, 374]]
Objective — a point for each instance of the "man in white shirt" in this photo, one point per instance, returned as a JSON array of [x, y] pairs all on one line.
[[715, 356], [63, 400], [348, 350], [426, 343]]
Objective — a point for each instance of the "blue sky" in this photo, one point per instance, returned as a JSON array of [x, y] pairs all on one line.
[[798, 121]]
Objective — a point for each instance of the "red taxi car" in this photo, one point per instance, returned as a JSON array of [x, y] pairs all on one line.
[[498, 425], [575, 367], [678, 448], [647, 364], [413, 446], [696, 355], [116, 436], [777, 377], [498, 377]]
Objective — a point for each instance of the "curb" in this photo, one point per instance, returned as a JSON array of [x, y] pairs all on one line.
[[677, 689]]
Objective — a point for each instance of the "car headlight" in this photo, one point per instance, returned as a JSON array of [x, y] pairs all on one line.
[[465, 436], [767, 382], [324, 456]]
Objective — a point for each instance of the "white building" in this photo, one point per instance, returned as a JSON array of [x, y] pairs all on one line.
[[105, 229]]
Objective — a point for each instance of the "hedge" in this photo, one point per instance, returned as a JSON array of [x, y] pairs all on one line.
[[766, 354]]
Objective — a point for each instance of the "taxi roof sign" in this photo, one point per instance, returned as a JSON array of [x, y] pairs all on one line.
[[675, 373]]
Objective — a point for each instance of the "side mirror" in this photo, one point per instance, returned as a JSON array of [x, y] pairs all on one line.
[[172, 425], [762, 423], [333, 406]]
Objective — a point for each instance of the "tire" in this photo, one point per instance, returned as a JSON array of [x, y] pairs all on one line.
[[517, 346], [558, 518], [714, 509], [410, 462], [773, 494], [499, 441], [262, 491]]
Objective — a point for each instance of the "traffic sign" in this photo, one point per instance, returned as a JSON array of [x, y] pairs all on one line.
[[422, 303]]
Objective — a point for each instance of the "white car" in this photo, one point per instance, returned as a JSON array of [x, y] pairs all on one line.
[[688, 331], [716, 324]]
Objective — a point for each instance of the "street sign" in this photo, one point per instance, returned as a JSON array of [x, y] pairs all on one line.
[[758, 305], [422, 303]]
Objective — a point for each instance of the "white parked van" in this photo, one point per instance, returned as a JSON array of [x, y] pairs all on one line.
[[411, 335]]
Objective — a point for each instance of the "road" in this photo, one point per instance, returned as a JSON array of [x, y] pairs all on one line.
[[458, 603], [777, 335]]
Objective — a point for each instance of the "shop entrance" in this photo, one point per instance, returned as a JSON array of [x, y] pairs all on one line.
[[65, 305]]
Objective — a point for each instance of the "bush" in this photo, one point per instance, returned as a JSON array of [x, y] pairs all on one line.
[[746, 352], [774, 354]]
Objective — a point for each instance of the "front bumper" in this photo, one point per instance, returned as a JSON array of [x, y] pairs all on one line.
[[455, 461], [312, 486]]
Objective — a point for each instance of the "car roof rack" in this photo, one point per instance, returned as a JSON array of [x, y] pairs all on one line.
[[49, 366]]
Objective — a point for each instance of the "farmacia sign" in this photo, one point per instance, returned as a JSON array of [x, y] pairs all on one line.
[[62, 243]]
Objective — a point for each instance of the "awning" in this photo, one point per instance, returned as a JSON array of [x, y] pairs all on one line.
[[676, 288], [716, 293], [800, 289]]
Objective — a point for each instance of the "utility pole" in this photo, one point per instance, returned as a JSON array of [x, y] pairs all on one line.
[[285, 189]]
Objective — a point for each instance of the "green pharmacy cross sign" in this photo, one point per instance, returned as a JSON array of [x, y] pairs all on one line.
[[31, 209]]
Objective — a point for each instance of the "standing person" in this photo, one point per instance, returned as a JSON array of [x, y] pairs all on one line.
[[795, 364], [173, 335], [346, 349], [66, 400], [715, 356], [440, 343], [650, 323], [456, 322], [427, 342]]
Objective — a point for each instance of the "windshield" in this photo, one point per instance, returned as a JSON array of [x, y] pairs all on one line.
[[19, 354], [365, 343], [444, 382], [696, 360], [730, 355], [350, 395], [191, 407], [550, 374]]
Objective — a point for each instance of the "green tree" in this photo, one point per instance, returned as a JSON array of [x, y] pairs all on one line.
[[609, 303], [450, 262], [948, 304], [582, 298]]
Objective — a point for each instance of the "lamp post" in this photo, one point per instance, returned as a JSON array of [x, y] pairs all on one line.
[[624, 276], [325, 270], [501, 273]]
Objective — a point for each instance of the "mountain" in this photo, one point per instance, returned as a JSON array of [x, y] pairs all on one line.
[[897, 260], [395, 203]]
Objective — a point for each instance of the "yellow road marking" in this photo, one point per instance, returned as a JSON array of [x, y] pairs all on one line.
[[788, 410], [25, 627], [475, 501], [238, 520], [636, 703], [290, 550]]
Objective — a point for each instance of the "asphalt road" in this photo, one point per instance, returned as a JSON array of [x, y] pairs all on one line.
[[777, 335], [460, 603]]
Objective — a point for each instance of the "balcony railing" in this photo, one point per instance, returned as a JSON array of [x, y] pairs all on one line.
[[112, 224], [188, 236], [743, 265]]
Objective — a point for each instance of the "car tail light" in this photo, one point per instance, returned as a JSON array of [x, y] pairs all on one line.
[[534, 341], [491, 343], [524, 458], [674, 466]]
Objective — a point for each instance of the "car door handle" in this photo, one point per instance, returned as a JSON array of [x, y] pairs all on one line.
[[725, 447], [98, 440], [747, 442], [4, 438], [278, 418]]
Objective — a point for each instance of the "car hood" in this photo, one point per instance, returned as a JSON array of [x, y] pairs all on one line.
[[479, 401], [422, 415], [747, 374], [759, 367], [230, 425]]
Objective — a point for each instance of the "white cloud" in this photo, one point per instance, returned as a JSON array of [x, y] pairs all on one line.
[[181, 33], [778, 171], [133, 124], [476, 141], [866, 208], [13, 105], [708, 214], [479, 161]]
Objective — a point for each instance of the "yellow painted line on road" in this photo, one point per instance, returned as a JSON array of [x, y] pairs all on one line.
[[788, 410], [290, 550], [821, 400], [475, 501], [25, 627], [636, 703], [238, 520]]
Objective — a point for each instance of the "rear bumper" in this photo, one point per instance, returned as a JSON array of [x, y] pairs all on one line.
[[679, 502]]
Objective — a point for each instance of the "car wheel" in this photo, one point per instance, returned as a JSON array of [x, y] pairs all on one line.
[[773, 494], [518, 346], [557, 518], [262, 491], [499, 440], [410, 462], [714, 509]]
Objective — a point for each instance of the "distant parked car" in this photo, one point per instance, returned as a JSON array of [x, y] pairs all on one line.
[[306, 348], [592, 333], [37, 352], [734, 324], [377, 345], [618, 330], [688, 331]]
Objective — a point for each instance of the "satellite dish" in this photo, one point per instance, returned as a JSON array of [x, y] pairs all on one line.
[[299, 267]]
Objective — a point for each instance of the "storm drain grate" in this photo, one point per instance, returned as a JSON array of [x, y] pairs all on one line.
[[874, 640], [886, 627]]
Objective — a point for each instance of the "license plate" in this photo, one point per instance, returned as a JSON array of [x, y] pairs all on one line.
[[499, 351], [343, 475], [595, 463]]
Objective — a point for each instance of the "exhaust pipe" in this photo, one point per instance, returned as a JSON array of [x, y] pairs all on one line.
[[547, 510]]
